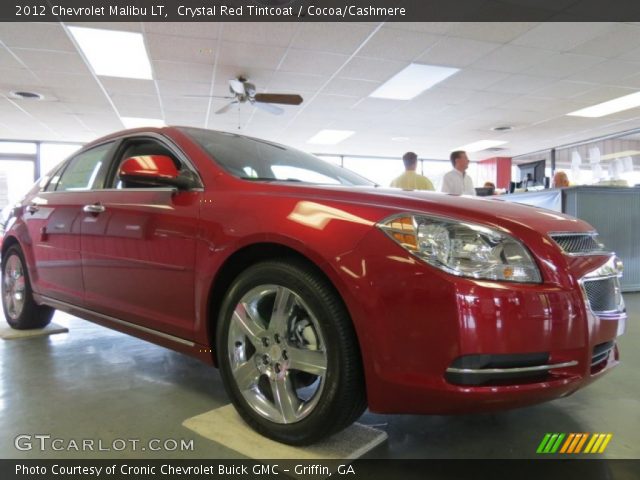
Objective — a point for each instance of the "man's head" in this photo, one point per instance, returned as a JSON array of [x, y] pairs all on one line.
[[410, 160], [459, 160]]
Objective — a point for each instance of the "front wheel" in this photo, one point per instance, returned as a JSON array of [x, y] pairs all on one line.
[[20, 310], [288, 353]]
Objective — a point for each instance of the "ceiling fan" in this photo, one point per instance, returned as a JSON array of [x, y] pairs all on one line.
[[244, 91]]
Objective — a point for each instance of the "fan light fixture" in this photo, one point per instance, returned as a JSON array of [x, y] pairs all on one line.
[[480, 145], [113, 53], [607, 108], [412, 81], [330, 137]]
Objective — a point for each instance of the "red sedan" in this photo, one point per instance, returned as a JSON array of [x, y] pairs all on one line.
[[315, 292]]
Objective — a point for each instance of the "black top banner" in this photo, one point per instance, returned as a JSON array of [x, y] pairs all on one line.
[[319, 10]]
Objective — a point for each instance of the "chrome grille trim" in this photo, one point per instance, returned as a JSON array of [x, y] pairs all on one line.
[[579, 243], [536, 368]]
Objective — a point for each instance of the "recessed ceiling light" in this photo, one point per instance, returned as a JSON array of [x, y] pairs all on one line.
[[400, 139], [135, 122], [607, 108], [412, 81], [330, 137], [22, 94], [502, 128], [481, 145], [112, 53]]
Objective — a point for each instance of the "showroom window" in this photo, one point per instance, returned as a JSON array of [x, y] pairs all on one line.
[[17, 170]]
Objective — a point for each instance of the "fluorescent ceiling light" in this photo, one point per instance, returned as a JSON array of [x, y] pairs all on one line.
[[412, 81], [481, 145], [626, 153], [330, 137], [607, 108], [135, 122], [112, 53]]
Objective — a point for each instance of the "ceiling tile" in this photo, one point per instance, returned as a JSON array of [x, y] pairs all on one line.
[[332, 37], [176, 89], [438, 28], [276, 34], [182, 104], [297, 81], [7, 60], [355, 88], [474, 79], [608, 71], [16, 77], [180, 49], [521, 84], [302, 61], [564, 64], [363, 68], [561, 36], [128, 86], [499, 32], [393, 44], [456, 52], [563, 89], [185, 29], [601, 94], [195, 72], [511, 58], [247, 54], [614, 41], [50, 60], [42, 36]]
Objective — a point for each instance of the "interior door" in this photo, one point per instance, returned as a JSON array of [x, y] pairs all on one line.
[[138, 250]]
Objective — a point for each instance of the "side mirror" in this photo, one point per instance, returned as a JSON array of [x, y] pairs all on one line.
[[154, 170]]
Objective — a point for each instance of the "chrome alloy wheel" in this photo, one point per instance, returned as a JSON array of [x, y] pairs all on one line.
[[13, 287], [277, 354]]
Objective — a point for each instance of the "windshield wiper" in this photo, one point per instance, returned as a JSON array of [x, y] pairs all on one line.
[[271, 179]]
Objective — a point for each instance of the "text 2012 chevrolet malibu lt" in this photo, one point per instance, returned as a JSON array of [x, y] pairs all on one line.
[[315, 293]]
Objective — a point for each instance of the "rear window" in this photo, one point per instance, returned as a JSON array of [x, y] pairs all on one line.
[[258, 160]]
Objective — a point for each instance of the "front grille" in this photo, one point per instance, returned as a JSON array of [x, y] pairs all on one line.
[[502, 369], [578, 243], [601, 353], [604, 294]]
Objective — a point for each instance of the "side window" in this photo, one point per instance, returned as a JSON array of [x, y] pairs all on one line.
[[137, 148], [82, 170]]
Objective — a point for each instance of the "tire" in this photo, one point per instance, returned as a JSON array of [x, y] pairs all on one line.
[[20, 310], [288, 353]]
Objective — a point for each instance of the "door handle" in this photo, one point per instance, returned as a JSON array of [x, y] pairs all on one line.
[[32, 209], [93, 208]]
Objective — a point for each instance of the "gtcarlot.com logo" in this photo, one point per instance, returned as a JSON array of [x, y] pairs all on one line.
[[574, 443]]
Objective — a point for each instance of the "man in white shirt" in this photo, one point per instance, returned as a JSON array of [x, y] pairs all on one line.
[[410, 179], [457, 181]]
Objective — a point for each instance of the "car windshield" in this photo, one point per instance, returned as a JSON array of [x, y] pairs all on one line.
[[258, 160]]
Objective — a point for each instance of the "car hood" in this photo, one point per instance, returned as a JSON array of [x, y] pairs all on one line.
[[492, 211]]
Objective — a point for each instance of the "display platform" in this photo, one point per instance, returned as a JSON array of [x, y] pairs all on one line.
[[223, 425], [8, 333]]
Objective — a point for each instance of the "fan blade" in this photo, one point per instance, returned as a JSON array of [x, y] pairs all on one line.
[[226, 107], [237, 86], [267, 107], [281, 98]]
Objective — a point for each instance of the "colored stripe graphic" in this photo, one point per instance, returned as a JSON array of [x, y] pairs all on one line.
[[573, 443]]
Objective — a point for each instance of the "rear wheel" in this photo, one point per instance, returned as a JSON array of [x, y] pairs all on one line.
[[288, 353], [20, 310]]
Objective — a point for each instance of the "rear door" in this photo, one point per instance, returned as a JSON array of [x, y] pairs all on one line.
[[53, 221], [138, 247]]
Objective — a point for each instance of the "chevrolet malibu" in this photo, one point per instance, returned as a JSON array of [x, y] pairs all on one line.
[[315, 292]]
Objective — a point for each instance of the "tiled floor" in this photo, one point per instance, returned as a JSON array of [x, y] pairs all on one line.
[[96, 384]]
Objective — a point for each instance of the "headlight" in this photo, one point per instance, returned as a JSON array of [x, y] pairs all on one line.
[[463, 249]]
